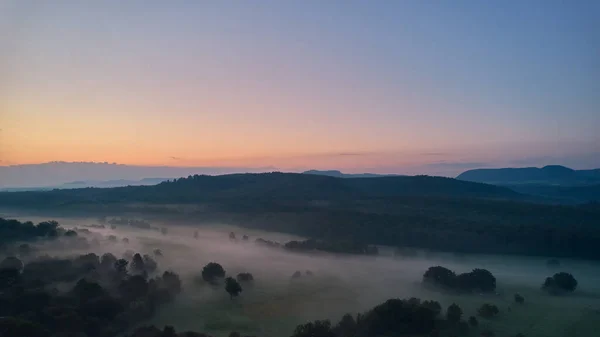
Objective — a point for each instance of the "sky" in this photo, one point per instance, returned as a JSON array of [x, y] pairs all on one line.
[[381, 86]]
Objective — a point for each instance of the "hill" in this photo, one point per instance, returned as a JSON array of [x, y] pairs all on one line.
[[54, 174], [280, 186], [425, 212], [552, 174], [338, 174], [90, 183]]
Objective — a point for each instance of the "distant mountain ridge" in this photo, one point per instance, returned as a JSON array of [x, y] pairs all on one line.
[[89, 183], [266, 186], [55, 174], [551, 174], [339, 174]]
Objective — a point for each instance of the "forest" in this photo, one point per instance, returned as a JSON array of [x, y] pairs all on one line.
[[99, 295], [422, 212]]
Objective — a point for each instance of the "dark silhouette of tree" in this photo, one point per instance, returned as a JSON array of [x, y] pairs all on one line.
[[137, 264], [314, 329], [70, 233], [107, 261], [440, 276], [169, 331], [245, 238], [172, 282], [232, 287], [297, 274], [560, 283], [244, 277], [121, 266], [149, 263], [11, 262], [347, 327], [473, 321], [488, 311], [454, 313], [125, 240], [308, 273], [433, 306], [212, 272], [232, 236]]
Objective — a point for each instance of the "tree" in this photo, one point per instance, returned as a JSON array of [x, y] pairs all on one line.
[[169, 331], [519, 299], [107, 261], [172, 282], [433, 306], [121, 266], [314, 329], [454, 313], [560, 283], [488, 310], [346, 327], [11, 262], [483, 280], [473, 321], [245, 238], [245, 277], [297, 274], [212, 272], [232, 287], [232, 236], [137, 264], [150, 263], [440, 276], [70, 233]]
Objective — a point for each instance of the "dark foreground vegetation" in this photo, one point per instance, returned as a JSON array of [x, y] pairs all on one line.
[[100, 296], [420, 212]]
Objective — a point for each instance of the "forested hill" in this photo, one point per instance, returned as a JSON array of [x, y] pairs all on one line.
[[551, 174], [280, 186]]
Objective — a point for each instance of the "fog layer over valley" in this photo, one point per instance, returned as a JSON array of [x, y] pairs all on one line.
[[329, 285]]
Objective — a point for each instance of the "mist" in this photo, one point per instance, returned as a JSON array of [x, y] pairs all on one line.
[[274, 303]]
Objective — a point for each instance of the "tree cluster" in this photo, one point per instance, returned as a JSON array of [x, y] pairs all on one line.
[[476, 280], [560, 283], [107, 297]]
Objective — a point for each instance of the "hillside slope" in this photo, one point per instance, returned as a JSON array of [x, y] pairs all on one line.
[[278, 186], [552, 174]]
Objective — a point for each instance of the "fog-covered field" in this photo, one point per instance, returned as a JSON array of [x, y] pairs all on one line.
[[274, 304]]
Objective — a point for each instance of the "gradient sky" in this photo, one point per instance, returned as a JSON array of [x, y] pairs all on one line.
[[384, 86]]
